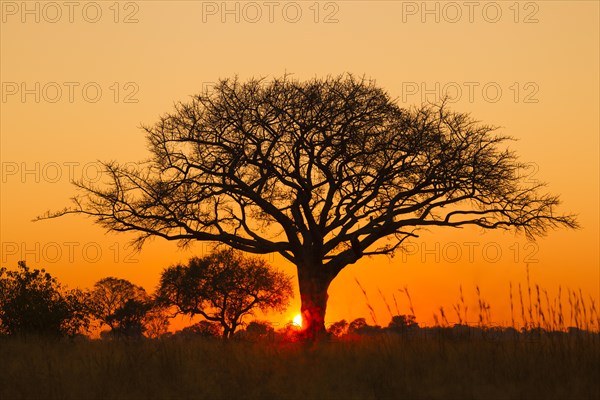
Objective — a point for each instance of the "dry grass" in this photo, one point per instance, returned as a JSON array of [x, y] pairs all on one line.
[[546, 361], [427, 366], [536, 307]]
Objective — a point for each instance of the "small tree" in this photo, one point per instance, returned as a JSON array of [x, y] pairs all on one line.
[[121, 305], [357, 325], [403, 323], [34, 302], [224, 287], [203, 328], [338, 329], [360, 327]]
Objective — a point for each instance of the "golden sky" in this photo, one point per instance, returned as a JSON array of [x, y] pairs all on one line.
[[79, 78]]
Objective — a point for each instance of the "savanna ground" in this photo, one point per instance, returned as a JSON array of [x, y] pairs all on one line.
[[422, 365]]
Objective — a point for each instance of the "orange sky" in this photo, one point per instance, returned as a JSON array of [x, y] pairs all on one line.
[[78, 80]]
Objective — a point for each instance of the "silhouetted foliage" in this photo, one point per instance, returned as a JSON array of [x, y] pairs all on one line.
[[156, 321], [110, 294], [402, 323], [356, 325], [322, 172], [224, 287], [360, 327], [128, 319], [127, 309], [259, 327], [257, 330], [121, 305], [34, 302], [339, 328], [203, 328]]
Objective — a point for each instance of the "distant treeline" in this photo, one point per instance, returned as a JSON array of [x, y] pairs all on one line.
[[32, 302], [225, 288]]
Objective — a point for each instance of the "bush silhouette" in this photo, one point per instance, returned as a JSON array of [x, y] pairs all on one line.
[[34, 302]]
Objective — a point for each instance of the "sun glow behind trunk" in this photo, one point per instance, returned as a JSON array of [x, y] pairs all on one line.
[[297, 321]]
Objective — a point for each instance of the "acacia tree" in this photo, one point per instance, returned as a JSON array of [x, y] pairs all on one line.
[[224, 287], [322, 172]]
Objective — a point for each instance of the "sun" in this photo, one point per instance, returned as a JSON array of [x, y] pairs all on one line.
[[297, 321]]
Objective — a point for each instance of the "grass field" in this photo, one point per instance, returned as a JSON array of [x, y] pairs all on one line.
[[418, 366]]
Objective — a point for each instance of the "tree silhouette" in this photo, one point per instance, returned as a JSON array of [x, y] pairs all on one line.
[[322, 172], [128, 320], [360, 327], [126, 308], [403, 323], [257, 330], [34, 302], [357, 325], [224, 287], [338, 329], [203, 328], [111, 294]]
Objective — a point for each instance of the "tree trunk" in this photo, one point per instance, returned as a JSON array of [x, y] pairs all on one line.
[[226, 333], [313, 295]]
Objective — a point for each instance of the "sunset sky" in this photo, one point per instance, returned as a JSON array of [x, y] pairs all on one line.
[[79, 80]]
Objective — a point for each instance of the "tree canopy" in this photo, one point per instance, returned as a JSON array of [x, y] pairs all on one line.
[[224, 287], [126, 308]]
